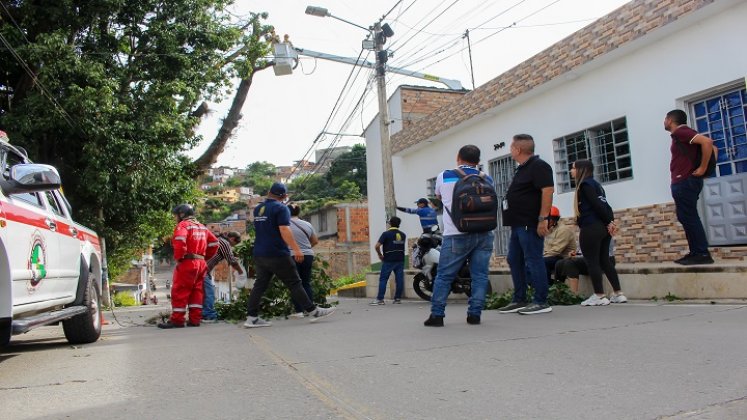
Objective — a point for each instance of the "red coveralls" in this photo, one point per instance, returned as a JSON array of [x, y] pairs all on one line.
[[193, 243]]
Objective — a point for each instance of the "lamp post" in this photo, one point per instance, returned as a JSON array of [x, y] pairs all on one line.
[[380, 35]]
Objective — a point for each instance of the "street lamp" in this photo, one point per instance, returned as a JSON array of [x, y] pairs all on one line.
[[380, 34]]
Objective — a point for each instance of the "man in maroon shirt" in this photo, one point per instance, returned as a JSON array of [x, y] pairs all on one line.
[[687, 182]]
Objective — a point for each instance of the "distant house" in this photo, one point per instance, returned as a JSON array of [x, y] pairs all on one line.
[[602, 94], [344, 235]]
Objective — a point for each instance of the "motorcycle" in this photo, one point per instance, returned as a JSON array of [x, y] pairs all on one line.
[[423, 281]]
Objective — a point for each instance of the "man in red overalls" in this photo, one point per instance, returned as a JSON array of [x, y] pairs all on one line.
[[192, 243]]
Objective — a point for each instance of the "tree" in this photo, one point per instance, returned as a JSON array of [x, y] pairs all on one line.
[[350, 166], [110, 92]]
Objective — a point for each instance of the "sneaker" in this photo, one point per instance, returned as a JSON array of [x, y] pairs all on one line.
[[169, 325], [396, 301], [297, 315], [512, 307], [434, 321], [697, 260], [377, 303], [256, 322], [473, 319], [535, 308], [681, 260], [320, 313], [619, 298], [209, 320], [595, 300]]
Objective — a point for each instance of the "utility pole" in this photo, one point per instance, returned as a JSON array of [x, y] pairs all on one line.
[[386, 141], [469, 48]]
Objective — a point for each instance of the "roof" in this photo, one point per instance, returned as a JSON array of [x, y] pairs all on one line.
[[620, 27]]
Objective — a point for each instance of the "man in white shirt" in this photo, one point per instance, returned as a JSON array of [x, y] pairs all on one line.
[[459, 247]]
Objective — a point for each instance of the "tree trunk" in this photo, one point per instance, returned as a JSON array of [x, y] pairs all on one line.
[[230, 123]]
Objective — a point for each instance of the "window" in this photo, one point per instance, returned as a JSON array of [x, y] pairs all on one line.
[[10, 159], [502, 171], [430, 187], [56, 209], [722, 118], [606, 145], [322, 221]]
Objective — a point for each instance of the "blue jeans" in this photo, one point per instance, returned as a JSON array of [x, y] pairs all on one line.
[[685, 194], [527, 265], [399, 278], [456, 249], [208, 299]]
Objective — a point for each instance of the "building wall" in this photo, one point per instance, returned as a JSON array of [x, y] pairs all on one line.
[[406, 105], [641, 81]]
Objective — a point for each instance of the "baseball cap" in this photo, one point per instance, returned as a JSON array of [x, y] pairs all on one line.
[[422, 200], [278, 188]]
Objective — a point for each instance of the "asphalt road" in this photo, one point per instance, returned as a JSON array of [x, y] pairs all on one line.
[[632, 361]]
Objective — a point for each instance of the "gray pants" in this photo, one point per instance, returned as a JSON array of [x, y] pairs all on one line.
[[285, 269]]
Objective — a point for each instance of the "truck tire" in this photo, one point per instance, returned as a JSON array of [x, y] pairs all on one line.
[[5, 332], [85, 328]]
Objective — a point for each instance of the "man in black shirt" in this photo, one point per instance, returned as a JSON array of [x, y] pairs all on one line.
[[392, 259], [526, 209]]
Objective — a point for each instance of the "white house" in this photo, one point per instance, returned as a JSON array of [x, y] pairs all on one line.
[[602, 94]]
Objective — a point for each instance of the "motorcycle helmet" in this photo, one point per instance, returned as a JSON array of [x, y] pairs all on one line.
[[555, 213], [183, 211]]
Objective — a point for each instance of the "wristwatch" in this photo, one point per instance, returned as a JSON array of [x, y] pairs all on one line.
[[543, 218]]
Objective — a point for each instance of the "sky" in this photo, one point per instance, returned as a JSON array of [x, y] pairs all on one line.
[[283, 115]]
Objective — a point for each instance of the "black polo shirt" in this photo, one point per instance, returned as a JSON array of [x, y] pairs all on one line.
[[524, 196], [393, 241]]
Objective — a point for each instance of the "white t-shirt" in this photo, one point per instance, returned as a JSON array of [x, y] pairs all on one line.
[[445, 189]]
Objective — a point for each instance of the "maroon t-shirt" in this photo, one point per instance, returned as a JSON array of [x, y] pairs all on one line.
[[683, 154]]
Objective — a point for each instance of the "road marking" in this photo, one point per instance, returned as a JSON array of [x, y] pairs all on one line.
[[321, 389]]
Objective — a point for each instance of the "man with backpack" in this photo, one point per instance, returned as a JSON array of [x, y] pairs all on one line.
[[470, 215], [693, 158], [526, 209]]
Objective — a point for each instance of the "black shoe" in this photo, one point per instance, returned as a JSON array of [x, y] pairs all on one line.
[[681, 260], [189, 324], [168, 325], [512, 307], [473, 319], [697, 260], [434, 321]]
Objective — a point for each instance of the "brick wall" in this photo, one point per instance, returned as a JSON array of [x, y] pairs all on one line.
[[341, 257], [419, 103], [358, 223], [651, 234]]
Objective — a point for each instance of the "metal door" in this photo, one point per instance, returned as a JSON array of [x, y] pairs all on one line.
[[722, 118], [502, 171]]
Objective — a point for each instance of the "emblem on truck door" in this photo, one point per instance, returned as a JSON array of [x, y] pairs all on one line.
[[37, 260]]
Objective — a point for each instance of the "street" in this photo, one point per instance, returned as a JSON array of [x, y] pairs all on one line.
[[633, 361]]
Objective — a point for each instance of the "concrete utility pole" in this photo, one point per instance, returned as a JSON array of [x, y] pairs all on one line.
[[386, 141]]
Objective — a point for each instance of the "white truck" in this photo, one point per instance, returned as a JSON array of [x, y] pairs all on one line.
[[50, 266]]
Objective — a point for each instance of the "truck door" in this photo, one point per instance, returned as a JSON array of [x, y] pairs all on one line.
[[68, 237], [32, 247]]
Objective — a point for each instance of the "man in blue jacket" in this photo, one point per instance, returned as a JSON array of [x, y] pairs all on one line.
[[427, 215]]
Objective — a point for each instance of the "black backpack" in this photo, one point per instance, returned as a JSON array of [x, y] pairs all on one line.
[[474, 205], [711, 169]]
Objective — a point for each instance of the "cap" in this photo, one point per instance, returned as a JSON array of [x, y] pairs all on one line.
[[422, 200], [554, 212], [278, 188]]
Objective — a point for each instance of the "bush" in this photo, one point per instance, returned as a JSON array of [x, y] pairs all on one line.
[[559, 294], [276, 301], [124, 299], [345, 280]]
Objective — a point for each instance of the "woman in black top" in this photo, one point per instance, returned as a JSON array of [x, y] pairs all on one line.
[[597, 224]]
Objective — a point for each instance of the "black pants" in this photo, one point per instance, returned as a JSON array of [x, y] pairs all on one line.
[[304, 271], [595, 244], [285, 269], [573, 267], [550, 263]]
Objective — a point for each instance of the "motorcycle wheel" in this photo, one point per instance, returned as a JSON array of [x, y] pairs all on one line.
[[467, 289], [423, 287]]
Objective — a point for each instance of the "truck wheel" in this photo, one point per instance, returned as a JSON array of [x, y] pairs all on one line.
[[5, 332], [85, 328]]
